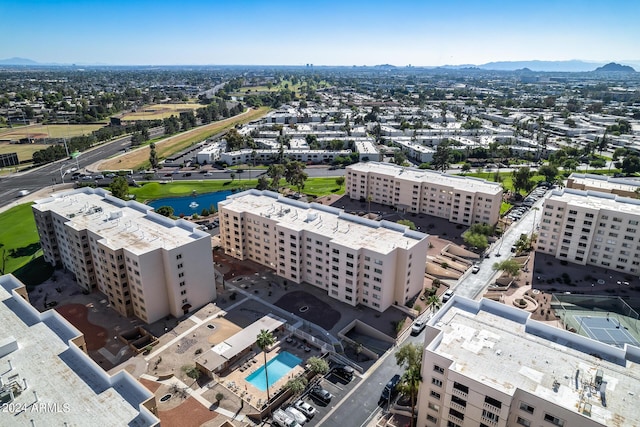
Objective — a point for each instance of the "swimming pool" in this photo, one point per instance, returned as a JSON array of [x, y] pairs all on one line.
[[277, 368], [189, 205]]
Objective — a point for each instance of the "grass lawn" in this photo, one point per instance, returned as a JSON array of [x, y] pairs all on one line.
[[504, 208], [19, 236], [160, 111], [322, 187], [507, 179], [24, 151], [154, 190], [49, 131], [139, 158]]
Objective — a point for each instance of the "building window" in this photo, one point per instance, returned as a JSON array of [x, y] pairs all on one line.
[[434, 407], [434, 394], [523, 422], [436, 382], [554, 420], [456, 414], [432, 419], [493, 402], [438, 369], [526, 407], [488, 415]]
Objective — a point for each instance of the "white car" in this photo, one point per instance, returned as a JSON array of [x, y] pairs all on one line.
[[297, 415], [418, 327], [308, 410]]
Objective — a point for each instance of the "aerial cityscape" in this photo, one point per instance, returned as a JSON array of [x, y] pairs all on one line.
[[283, 214]]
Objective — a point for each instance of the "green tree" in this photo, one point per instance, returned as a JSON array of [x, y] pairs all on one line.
[[263, 183], [120, 188], [340, 181], [165, 211], [317, 365], [434, 302], [264, 340], [296, 385], [399, 158], [475, 240], [442, 157], [235, 141], [509, 266], [294, 174], [410, 385], [466, 167], [631, 164], [153, 156], [549, 171], [408, 223], [521, 179], [275, 172], [409, 356]]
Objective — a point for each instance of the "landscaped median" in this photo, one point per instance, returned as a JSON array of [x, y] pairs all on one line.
[[139, 159]]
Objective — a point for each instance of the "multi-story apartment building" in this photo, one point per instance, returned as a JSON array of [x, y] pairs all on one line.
[[356, 260], [459, 199], [588, 227], [487, 364], [47, 378], [146, 264], [605, 184]]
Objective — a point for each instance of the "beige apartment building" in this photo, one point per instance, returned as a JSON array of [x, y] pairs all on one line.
[[592, 228], [624, 187], [148, 265], [47, 378], [488, 364], [459, 199], [355, 260]]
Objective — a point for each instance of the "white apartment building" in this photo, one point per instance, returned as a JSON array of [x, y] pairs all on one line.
[[47, 378], [146, 264], [592, 228], [356, 260], [248, 156], [488, 364], [461, 200]]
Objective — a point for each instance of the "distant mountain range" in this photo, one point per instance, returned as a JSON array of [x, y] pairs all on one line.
[[17, 61], [525, 66]]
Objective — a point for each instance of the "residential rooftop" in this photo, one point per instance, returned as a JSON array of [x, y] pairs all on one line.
[[595, 200], [53, 380], [500, 346], [122, 224], [424, 175], [605, 182], [343, 228]]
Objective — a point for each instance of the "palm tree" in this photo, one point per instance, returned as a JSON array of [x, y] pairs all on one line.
[[296, 385], [265, 340], [410, 384], [434, 301]]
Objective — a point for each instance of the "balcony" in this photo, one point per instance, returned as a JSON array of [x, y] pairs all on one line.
[[457, 406], [459, 393]]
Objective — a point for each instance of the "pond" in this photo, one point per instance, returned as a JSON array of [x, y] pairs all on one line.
[[189, 205]]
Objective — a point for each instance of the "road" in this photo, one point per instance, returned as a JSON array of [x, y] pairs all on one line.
[[361, 404], [473, 285]]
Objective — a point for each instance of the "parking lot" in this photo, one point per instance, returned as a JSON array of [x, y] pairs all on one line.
[[335, 384], [518, 212]]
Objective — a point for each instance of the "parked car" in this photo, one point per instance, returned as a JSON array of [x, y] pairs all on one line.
[[297, 415], [447, 295], [308, 410], [391, 388], [475, 269], [282, 419], [99, 176], [208, 174], [344, 371], [418, 327], [320, 393], [187, 174]]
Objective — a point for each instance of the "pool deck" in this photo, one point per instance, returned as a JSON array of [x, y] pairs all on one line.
[[234, 378]]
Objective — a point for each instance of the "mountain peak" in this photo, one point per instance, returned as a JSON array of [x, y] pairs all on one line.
[[614, 67]]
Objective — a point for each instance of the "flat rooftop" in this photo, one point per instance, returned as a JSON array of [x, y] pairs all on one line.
[[130, 225], [424, 175], [342, 228], [35, 347], [500, 346], [605, 182], [595, 200]]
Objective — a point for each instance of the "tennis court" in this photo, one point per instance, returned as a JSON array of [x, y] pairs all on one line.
[[606, 329]]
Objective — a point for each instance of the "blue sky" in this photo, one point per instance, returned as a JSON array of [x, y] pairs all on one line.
[[398, 32]]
